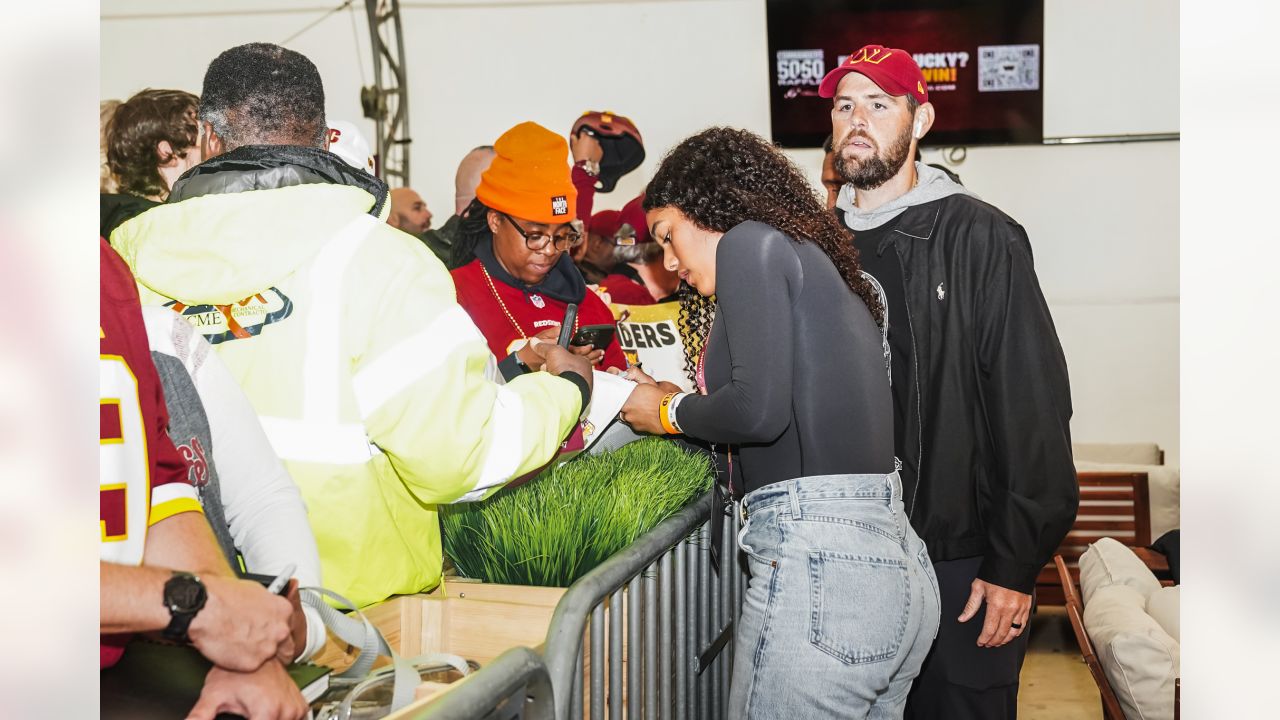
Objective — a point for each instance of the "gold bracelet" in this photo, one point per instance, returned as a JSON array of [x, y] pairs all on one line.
[[663, 414]]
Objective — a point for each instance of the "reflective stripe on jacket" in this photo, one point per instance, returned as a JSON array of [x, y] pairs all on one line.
[[368, 377]]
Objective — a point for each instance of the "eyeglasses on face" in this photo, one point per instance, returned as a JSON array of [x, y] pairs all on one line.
[[537, 240]]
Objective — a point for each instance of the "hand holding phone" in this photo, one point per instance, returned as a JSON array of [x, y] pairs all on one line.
[[597, 336]]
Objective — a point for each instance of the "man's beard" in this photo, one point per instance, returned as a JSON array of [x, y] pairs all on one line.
[[876, 170]]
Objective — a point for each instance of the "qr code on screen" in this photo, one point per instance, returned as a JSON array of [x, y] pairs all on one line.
[[1008, 67]]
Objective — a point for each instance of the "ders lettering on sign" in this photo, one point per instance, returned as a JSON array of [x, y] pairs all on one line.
[[645, 335]]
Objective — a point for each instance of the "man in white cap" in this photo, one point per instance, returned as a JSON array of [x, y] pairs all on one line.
[[347, 142]]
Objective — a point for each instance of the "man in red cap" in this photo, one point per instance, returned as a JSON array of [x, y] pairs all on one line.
[[982, 403]]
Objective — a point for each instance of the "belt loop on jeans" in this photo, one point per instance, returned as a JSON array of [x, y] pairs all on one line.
[[794, 491], [895, 486]]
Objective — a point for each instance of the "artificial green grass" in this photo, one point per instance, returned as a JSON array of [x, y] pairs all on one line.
[[558, 526]]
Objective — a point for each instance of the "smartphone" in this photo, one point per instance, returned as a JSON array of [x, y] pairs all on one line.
[[566, 326], [597, 335]]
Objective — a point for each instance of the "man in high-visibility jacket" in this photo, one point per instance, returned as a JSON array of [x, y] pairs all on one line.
[[371, 382]]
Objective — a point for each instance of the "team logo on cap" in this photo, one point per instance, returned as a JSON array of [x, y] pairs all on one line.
[[626, 235], [874, 56], [559, 205]]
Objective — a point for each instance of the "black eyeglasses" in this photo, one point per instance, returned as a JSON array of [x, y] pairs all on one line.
[[537, 240]]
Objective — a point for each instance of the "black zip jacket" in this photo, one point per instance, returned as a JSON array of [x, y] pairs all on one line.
[[988, 469]]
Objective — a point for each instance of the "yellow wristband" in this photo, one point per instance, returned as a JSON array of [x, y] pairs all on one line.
[[663, 415]]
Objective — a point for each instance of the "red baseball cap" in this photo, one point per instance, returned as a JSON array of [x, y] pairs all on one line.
[[892, 69], [632, 214], [605, 224]]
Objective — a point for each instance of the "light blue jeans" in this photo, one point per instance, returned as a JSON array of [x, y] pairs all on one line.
[[842, 605]]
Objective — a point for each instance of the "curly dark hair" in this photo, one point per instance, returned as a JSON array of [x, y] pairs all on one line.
[[137, 128], [260, 94], [473, 230], [693, 323], [722, 177]]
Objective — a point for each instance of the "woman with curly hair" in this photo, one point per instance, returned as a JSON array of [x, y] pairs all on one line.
[[842, 605]]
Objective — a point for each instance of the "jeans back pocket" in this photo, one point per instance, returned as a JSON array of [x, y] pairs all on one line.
[[858, 606]]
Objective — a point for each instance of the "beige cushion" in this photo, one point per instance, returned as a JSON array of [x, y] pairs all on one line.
[[1132, 453], [1162, 490], [1140, 659], [1108, 562], [1162, 606]]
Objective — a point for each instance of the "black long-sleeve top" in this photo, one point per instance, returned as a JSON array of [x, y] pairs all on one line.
[[795, 369]]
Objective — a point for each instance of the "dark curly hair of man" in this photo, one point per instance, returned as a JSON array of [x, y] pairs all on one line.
[[135, 131], [264, 94], [722, 177]]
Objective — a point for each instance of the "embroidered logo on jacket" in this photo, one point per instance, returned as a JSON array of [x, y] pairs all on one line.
[[237, 321], [197, 463]]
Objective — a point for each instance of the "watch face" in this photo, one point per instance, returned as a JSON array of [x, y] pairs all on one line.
[[184, 593]]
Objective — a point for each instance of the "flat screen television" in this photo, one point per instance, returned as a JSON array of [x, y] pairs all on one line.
[[983, 61]]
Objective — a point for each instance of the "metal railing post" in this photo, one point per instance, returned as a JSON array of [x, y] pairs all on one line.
[[515, 684], [627, 568]]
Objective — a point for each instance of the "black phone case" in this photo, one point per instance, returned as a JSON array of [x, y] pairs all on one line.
[[594, 332]]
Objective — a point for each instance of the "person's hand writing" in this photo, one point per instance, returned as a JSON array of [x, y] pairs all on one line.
[[267, 693], [529, 354], [242, 625], [557, 360], [531, 357], [640, 377], [640, 411], [634, 374], [1005, 608]]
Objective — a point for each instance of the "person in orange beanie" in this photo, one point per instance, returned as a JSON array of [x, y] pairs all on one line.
[[511, 266]]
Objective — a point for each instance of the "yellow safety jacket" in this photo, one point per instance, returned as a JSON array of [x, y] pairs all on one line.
[[369, 379]]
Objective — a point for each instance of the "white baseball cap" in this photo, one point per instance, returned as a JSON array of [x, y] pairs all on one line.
[[347, 142]]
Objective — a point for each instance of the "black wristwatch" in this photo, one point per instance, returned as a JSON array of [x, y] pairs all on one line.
[[184, 595]]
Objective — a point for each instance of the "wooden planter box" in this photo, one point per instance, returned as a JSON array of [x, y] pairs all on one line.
[[477, 621], [474, 620]]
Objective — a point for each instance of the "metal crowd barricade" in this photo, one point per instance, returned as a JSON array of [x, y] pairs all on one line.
[[515, 686], [651, 628]]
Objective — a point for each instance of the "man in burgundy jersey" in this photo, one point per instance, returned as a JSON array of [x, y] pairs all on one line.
[[150, 521]]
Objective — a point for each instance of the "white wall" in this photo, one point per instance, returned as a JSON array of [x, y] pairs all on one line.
[[478, 68], [1102, 218]]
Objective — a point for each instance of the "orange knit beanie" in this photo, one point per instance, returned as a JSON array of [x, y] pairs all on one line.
[[529, 177]]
